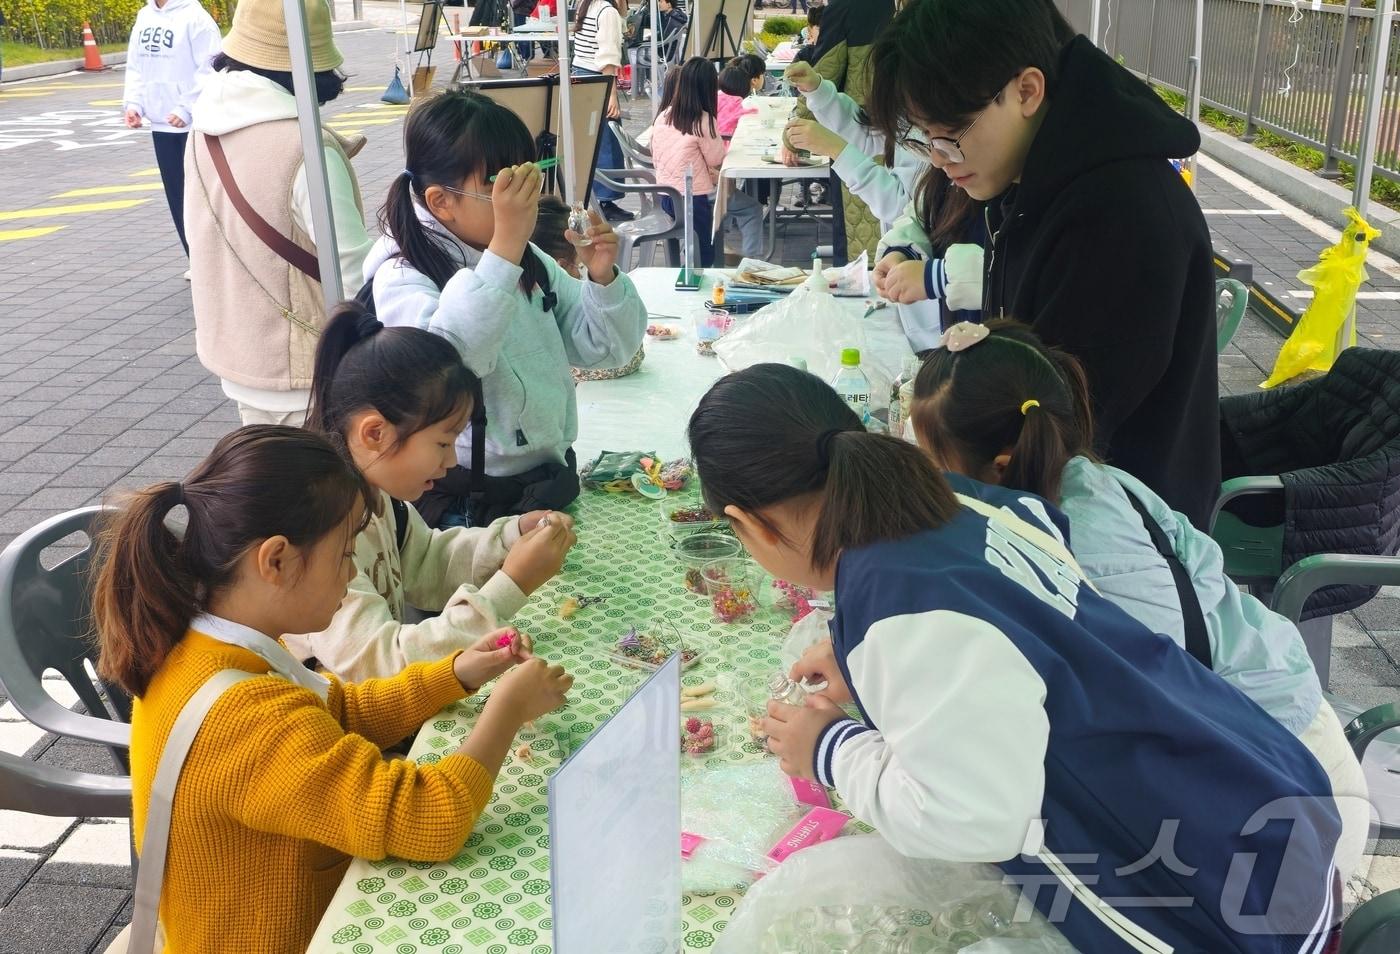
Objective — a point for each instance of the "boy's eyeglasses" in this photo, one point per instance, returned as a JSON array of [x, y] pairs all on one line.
[[949, 149]]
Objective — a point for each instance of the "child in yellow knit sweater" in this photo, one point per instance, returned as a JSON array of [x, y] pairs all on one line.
[[285, 780]]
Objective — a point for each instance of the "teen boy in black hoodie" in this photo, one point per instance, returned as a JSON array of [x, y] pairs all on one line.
[[1094, 239]]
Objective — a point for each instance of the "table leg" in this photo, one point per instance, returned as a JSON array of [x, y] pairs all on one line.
[[774, 192]]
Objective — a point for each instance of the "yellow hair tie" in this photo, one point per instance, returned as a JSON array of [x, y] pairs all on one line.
[[1025, 408]]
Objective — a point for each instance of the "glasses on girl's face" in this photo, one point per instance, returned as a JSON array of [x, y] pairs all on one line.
[[470, 195]]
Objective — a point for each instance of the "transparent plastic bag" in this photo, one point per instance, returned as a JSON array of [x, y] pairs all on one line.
[[812, 325], [857, 894]]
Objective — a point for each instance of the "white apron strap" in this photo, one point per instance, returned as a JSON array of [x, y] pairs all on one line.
[[150, 873]]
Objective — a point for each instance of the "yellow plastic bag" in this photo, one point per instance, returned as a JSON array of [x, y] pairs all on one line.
[[1335, 278]]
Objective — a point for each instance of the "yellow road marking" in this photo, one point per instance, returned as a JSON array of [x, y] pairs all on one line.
[[71, 209], [13, 234], [348, 132], [106, 102], [110, 190], [145, 172], [21, 95], [54, 87]]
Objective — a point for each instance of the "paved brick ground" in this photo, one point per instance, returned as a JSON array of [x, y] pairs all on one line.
[[100, 389]]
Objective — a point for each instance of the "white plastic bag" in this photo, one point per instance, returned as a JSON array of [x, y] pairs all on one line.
[[812, 325], [856, 893]]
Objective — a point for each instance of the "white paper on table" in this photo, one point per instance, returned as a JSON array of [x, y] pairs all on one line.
[[615, 828], [851, 280]]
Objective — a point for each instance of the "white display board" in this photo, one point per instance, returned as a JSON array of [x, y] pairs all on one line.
[[615, 829]]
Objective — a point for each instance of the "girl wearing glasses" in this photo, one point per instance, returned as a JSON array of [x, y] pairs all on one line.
[[456, 259]]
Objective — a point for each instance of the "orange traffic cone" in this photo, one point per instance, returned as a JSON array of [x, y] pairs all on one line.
[[92, 57]]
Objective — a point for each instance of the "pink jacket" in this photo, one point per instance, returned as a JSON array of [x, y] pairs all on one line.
[[673, 150], [730, 109]]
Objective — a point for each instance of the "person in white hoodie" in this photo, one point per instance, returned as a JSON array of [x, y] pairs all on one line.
[[258, 305], [167, 60]]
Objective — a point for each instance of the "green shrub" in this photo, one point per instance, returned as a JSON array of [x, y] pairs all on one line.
[[784, 26], [59, 23]]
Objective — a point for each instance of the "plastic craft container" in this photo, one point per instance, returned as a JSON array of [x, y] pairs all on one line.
[[696, 550]]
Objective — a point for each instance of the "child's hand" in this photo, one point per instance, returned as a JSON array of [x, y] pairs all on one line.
[[490, 656], [529, 521], [818, 662], [882, 270], [803, 77], [787, 156], [515, 200], [793, 732], [904, 284], [600, 256], [174, 120], [539, 554], [530, 690], [133, 119], [814, 137]]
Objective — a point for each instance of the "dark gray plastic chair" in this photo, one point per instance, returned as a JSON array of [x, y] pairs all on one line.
[[45, 623], [1374, 927], [27, 786]]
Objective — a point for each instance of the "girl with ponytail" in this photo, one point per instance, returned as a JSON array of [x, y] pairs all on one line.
[[395, 400], [997, 405], [285, 780], [456, 259], [1007, 712]]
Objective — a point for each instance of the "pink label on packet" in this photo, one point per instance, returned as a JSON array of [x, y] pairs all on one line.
[[817, 826], [689, 843], [809, 793]]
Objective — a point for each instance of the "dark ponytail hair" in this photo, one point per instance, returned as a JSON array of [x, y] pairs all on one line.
[[454, 135], [549, 229], [411, 376], [258, 482], [967, 407], [696, 97], [771, 433]]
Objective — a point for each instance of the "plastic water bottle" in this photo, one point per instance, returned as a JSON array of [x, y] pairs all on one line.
[[852, 384], [899, 400]]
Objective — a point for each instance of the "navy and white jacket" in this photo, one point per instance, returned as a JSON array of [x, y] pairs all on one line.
[[1011, 715]]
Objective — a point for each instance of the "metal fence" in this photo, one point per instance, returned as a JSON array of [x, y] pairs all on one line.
[[1293, 69]]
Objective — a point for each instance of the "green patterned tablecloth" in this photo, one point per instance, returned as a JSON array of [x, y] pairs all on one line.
[[495, 896]]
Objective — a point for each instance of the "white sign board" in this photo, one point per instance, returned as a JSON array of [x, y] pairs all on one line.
[[615, 829]]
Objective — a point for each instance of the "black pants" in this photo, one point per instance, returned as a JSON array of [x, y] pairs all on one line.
[[170, 158]]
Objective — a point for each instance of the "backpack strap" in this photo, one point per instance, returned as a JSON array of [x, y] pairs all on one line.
[[400, 510], [1197, 637], [150, 874]]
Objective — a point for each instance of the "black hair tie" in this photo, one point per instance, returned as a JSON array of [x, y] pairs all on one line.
[[179, 495], [824, 445], [367, 326]]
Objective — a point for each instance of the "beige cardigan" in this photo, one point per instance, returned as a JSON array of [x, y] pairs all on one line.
[[457, 571]]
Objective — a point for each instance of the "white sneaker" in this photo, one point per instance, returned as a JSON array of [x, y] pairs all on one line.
[[187, 274]]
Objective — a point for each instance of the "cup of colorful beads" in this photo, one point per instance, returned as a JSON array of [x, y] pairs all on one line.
[[730, 585]]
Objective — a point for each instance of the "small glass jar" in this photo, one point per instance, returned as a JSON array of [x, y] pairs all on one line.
[[579, 223]]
